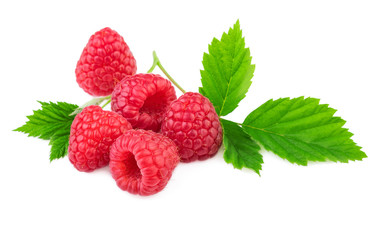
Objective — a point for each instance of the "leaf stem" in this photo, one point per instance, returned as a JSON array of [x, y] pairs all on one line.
[[109, 100], [94, 101], [241, 124], [256, 128], [157, 62], [250, 126]]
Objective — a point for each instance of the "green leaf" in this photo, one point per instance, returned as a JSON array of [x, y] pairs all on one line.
[[52, 122], [302, 130], [227, 72], [59, 143], [240, 149]]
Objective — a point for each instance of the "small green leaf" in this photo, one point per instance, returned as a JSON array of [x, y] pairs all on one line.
[[240, 149], [59, 146], [302, 130], [52, 122], [227, 72]]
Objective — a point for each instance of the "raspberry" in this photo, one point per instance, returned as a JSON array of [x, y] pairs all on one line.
[[143, 99], [192, 123], [92, 133], [142, 161], [105, 60]]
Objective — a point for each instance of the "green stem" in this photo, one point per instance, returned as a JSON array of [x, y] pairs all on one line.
[[109, 100], [94, 101], [157, 62]]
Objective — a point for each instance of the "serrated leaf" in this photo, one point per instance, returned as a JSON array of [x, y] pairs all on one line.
[[52, 122], [227, 72], [302, 130], [240, 150], [46, 121], [59, 146]]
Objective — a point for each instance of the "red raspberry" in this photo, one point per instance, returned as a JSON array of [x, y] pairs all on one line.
[[92, 133], [105, 60], [143, 99], [142, 161], [192, 123]]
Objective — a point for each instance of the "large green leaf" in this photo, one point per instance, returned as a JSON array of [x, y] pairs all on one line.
[[227, 72], [302, 130]]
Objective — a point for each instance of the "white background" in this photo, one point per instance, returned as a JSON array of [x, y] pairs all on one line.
[[323, 49]]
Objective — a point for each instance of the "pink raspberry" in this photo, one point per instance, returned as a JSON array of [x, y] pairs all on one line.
[[192, 123], [143, 99], [105, 60], [142, 161], [92, 133]]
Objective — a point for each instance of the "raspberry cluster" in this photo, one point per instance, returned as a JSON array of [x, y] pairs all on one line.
[[148, 132]]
